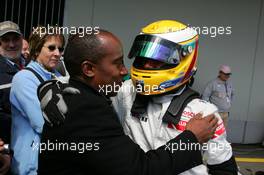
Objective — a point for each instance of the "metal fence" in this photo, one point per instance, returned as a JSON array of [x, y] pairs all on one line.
[[31, 13]]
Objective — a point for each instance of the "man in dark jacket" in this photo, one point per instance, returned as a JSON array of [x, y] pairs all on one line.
[[10, 63], [91, 139]]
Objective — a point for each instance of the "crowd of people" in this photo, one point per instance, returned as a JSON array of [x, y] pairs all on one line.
[[135, 129]]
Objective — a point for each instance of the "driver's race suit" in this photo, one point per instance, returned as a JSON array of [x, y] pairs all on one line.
[[150, 132]]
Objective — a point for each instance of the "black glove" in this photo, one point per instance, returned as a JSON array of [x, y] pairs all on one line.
[[50, 94]]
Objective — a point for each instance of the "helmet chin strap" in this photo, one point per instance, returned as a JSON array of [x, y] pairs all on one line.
[[179, 99], [139, 108], [140, 104]]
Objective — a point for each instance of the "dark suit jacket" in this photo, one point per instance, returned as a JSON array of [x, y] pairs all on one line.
[[92, 121], [7, 72]]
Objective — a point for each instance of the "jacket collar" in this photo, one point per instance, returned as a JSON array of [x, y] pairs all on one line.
[[42, 71], [8, 66]]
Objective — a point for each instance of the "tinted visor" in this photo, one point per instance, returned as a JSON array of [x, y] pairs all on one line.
[[156, 48]]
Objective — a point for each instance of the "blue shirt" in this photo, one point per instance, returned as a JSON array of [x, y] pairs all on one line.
[[27, 120], [219, 93]]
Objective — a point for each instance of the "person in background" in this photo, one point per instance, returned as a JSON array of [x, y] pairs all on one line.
[[25, 51], [220, 92], [10, 63], [27, 120]]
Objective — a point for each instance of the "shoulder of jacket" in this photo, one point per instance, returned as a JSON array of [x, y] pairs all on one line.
[[214, 81], [23, 74], [3, 64], [40, 70], [5, 67]]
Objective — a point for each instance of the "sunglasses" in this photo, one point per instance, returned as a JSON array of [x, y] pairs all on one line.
[[53, 47], [227, 74]]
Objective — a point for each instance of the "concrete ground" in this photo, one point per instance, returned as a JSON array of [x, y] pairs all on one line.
[[250, 158]]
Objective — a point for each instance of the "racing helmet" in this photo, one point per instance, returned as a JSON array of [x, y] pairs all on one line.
[[171, 43]]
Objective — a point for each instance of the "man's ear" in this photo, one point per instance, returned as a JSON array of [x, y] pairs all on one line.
[[88, 68]]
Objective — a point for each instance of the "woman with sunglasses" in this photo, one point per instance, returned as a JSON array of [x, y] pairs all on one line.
[[45, 51]]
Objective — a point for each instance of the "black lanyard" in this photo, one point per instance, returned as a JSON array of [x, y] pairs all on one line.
[[226, 89]]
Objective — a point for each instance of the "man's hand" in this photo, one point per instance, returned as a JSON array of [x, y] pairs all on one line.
[[202, 128]]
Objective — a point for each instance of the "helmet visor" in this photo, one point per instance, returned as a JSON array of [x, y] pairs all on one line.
[[156, 48]]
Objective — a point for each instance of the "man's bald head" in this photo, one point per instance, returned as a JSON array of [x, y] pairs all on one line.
[[90, 47]]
